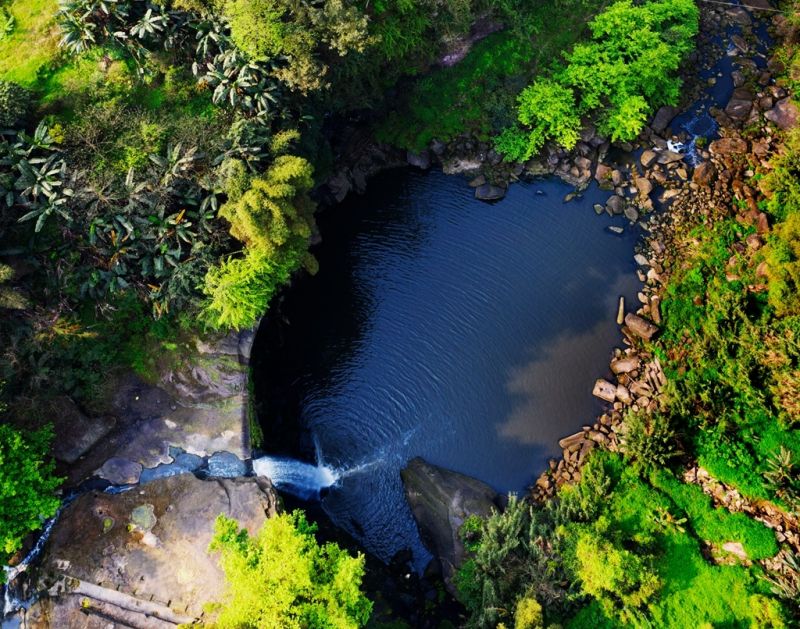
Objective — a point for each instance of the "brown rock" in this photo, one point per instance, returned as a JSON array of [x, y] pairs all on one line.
[[616, 204], [704, 174], [728, 146], [648, 158], [643, 185], [641, 327], [625, 365], [669, 157], [623, 395], [662, 118], [605, 390], [784, 114]]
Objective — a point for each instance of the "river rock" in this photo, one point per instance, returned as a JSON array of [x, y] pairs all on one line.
[[631, 213], [161, 558], [75, 432], [441, 500], [648, 158], [739, 106], [623, 395], [488, 192], [784, 114], [616, 204], [643, 185], [604, 390], [662, 119], [728, 146], [669, 157], [625, 365], [119, 471], [704, 174], [640, 326]]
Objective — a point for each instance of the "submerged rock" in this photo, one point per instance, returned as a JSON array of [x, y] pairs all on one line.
[[441, 500], [488, 192]]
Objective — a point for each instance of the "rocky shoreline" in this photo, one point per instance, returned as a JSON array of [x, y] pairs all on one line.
[[748, 125]]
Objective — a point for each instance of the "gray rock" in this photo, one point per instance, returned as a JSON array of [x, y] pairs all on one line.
[[662, 119], [75, 432], [119, 471], [478, 181], [625, 365], [641, 327], [669, 157], [488, 192], [441, 500], [784, 114], [420, 160], [616, 204], [631, 213], [163, 558]]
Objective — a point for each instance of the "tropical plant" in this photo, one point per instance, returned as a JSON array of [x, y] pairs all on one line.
[[648, 440], [283, 578], [27, 486]]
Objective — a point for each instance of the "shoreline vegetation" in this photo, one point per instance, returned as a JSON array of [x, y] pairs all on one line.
[[160, 166]]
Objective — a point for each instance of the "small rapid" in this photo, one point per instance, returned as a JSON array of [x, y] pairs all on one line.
[[303, 480]]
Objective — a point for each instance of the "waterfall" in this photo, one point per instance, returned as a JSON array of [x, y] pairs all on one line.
[[304, 480]]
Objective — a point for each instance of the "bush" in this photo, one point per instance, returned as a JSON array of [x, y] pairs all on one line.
[[27, 486], [627, 69], [283, 578], [15, 102], [648, 440]]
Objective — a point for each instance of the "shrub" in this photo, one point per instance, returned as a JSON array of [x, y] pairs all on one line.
[[648, 440], [27, 486], [283, 578], [15, 102], [528, 614], [620, 580]]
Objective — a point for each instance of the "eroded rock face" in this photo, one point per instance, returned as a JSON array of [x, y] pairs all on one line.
[[441, 500], [149, 543]]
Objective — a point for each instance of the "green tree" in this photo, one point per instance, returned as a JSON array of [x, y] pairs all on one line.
[[619, 579], [27, 485], [283, 578]]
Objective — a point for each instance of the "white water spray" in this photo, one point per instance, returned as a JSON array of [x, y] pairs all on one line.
[[298, 478]]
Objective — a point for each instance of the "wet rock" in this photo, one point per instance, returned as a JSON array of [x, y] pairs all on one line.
[[784, 114], [119, 471], [420, 160], [75, 432], [640, 326], [478, 181], [648, 158], [604, 390], [631, 213], [704, 174], [616, 204], [728, 146], [662, 119], [488, 192], [625, 365], [643, 185], [738, 107], [441, 500], [669, 157]]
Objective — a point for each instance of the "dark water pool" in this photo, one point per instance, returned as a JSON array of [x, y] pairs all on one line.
[[440, 326]]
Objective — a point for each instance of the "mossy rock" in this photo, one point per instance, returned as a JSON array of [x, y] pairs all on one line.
[[144, 517]]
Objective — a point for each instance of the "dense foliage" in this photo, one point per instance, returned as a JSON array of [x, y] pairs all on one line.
[[283, 578], [27, 486], [615, 550], [616, 79]]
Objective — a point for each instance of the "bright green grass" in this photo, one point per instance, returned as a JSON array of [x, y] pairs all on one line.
[[33, 44], [694, 592]]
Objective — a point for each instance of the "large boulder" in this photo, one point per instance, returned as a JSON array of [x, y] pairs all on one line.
[[143, 551], [728, 146], [662, 118], [441, 500]]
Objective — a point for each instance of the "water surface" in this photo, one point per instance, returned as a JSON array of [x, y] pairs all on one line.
[[440, 326]]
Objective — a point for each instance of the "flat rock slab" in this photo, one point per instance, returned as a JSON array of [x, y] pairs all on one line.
[[76, 432], [119, 471], [151, 542]]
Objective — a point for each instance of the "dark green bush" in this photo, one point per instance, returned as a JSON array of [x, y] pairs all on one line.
[[15, 102]]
